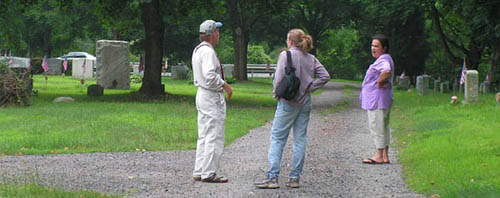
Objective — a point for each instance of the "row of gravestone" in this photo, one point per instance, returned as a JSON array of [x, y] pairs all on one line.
[[423, 86]]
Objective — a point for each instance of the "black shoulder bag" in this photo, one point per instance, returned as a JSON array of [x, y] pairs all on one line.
[[289, 85]]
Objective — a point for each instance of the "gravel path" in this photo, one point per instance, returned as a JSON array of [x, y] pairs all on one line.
[[336, 145]]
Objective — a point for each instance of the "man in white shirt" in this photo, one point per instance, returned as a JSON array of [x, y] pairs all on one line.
[[211, 104]]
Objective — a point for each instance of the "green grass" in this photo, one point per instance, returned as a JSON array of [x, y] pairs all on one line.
[[448, 151], [30, 190], [351, 92], [122, 120]]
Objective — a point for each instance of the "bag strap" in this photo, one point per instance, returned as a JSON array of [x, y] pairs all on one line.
[[289, 65]]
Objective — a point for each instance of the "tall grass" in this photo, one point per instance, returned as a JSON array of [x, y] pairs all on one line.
[[122, 120], [446, 150]]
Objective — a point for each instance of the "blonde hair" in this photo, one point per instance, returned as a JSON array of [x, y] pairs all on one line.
[[301, 40]]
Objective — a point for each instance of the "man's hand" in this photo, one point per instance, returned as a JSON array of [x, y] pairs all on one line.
[[228, 90]]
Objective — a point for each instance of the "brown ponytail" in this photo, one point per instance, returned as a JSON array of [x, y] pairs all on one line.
[[301, 40]]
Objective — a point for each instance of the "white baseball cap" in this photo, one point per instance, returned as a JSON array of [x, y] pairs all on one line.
[[208, 27]]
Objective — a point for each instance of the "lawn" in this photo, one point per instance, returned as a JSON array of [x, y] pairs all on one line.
[[122, 120], [446, 150], [119, 121]]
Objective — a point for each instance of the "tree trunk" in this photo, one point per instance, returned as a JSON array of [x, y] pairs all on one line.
[[48, 44], [241, 38], [154, 28], [495, 56], [474, 56], [442, 36]]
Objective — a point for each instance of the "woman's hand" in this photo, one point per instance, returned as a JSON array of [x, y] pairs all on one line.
[[383, 80]]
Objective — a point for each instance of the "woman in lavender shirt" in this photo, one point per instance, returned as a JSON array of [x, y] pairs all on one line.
[[376, 98]]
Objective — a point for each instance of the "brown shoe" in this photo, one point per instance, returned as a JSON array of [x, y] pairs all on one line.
[[293, 183], [196, 178], [214, 179], [269, 183]]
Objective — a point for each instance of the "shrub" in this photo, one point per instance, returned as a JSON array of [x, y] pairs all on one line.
[[15, 86], [135, 78]]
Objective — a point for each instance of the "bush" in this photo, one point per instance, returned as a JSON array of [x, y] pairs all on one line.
[[136, 78], [15, 86], [230, 80]]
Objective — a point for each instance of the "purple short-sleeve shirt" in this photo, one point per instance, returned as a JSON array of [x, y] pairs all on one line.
[[372, 96]]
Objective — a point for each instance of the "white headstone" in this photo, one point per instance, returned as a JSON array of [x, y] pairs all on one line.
[[471, 87], [78, 70]]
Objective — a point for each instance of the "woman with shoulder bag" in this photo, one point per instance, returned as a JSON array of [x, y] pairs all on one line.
[[294, 112]]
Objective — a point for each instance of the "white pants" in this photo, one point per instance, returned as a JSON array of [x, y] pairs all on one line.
[[211, 128], [378, 124]]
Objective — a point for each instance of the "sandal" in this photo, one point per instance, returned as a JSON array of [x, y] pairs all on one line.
[[371, 161], [214, 179]]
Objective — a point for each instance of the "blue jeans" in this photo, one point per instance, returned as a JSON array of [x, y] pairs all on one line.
[[285, 118]]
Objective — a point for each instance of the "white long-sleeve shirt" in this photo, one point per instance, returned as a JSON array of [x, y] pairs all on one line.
[[206, 68]]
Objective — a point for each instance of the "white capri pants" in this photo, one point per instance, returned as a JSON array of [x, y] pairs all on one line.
[[378, 124], [211, 107]]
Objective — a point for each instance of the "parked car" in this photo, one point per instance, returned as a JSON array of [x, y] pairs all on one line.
[[72, 55]]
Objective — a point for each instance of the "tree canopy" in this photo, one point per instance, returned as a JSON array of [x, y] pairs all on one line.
[[426, 36]]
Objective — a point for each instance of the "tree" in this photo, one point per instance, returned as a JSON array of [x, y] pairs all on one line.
[[404, 23], [154, 28], [318, 16], [243, 15], [462, 28]]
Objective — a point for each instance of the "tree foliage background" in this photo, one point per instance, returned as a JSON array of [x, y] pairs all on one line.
[[427, 36]]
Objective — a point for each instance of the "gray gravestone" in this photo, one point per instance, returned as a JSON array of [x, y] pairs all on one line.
[[228, 70], [436, 85], [113, 67], [180, 72], [423, 82], [486, 87], [455, 86], [444, 87], [55, 66], [18, 62], [404, 83], [95, 90], [471, 87]]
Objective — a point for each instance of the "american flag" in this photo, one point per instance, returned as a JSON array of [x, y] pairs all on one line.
[[65, 64], [83, 66], [462, 77], [141, 64], [45, 64], [402, 75]]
